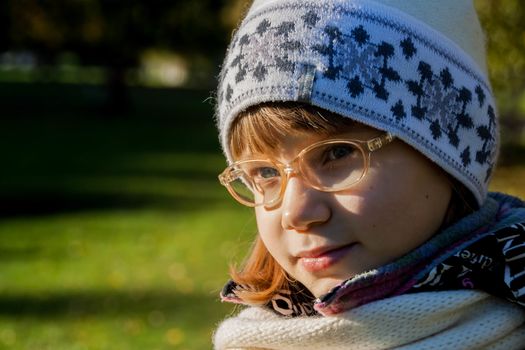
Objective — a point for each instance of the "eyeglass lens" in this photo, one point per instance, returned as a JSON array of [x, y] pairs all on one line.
[[332, 166]]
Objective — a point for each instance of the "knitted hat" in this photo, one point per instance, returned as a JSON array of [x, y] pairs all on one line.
[[415, 68]]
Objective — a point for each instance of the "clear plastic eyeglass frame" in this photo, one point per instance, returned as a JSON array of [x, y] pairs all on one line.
[[366, 147]]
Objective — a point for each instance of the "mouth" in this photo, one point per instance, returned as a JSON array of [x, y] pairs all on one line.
[[322, 258]]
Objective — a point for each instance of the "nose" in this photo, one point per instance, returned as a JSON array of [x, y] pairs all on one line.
[[303, 206]]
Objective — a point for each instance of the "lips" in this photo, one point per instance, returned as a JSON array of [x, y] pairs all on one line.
[[322, 258]]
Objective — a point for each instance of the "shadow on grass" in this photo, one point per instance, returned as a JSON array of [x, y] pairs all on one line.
[[512, 154], [18, 253], [41, 205], [60, 154], [110, 303]]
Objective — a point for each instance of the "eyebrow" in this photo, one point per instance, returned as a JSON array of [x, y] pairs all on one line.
[[274, 155]]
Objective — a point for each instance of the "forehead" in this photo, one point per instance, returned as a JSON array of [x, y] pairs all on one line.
[[289, 145], [266, 128]]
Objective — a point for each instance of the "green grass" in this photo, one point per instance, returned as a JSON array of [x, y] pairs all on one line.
[[114, 232], [116, 278]]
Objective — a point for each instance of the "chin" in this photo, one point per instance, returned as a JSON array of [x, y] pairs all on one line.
[[324, 285]]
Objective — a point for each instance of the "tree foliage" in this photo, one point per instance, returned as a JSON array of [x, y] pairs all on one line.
[[114, 33], [108, 32], [504, 25]]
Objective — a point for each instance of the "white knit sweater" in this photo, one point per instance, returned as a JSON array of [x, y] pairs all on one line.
[[437, 320]]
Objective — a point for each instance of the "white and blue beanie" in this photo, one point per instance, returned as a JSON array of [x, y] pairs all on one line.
[[415, 68]]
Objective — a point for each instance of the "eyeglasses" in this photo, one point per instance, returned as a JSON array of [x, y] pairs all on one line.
[[329, 166]]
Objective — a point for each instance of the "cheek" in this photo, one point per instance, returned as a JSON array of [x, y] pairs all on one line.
[[270, 231], [397, 210], [268, 221], [369, 210], [410, 188]]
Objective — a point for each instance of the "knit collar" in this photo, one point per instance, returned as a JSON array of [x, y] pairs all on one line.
[[404, 275], [463, 319]]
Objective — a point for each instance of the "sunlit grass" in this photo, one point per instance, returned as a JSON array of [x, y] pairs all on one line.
[[117, 279]]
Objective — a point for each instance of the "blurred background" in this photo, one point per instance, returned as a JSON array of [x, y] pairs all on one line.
[[114, 232]]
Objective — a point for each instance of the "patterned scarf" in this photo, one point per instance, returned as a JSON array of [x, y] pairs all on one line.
[[483, 251]]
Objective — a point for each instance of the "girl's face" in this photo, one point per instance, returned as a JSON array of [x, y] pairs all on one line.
[[321, 238]]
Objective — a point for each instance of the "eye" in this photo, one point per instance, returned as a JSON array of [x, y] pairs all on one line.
[[338, 152], [266, 178], [266, 172]]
